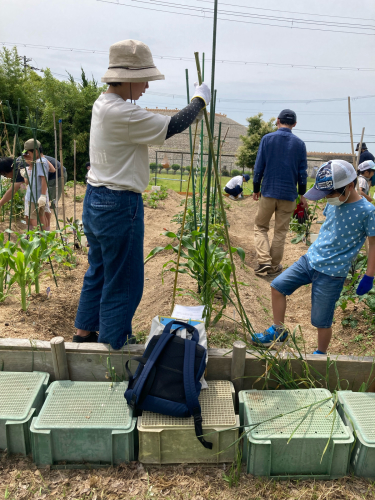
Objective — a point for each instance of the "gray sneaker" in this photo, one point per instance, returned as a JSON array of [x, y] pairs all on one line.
[[262, 268]]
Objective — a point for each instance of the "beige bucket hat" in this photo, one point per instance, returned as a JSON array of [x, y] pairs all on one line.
[[29, 145], [131, 61]]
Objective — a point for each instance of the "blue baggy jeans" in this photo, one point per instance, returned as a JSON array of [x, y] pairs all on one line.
[[113, 284]]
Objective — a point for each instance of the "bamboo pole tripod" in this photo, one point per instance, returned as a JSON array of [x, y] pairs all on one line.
[[221, 202], [183, 220]]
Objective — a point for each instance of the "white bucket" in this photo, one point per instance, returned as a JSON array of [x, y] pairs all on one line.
[[313, 237]]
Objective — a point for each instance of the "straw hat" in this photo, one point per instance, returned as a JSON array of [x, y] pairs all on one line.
[[131, 61]]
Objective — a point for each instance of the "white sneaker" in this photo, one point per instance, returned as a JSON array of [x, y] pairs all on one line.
[[231, 197]]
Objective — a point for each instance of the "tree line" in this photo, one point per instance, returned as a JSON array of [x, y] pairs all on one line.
[[70, 100]]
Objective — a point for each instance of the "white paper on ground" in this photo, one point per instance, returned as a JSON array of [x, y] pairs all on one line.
[[188, 312]]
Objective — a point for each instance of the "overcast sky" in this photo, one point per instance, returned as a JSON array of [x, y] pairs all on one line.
[[94, 25]]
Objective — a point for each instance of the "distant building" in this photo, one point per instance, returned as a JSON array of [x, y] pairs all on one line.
[[179, 144], [315, 160]]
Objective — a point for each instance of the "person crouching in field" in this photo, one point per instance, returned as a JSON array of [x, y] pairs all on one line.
[[349, 220], [113, 215], [234, 186], [366, 171]]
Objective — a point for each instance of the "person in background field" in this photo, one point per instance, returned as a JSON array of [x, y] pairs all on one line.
[[365, 153], [113, 215], [36, 199], [280, 165], [366, 171], [6, 170], [87, 174], [349, 220], [53, 166], [234, 186]]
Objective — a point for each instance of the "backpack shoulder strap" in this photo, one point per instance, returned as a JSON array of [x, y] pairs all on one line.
[[191, 392], [137, 389]]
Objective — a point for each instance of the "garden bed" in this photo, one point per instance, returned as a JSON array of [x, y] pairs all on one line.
[[47, 318]]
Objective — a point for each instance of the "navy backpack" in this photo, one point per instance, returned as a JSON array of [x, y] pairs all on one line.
[[167, 379]]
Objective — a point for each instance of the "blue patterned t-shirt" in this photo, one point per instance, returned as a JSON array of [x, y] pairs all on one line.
[[341, 237]]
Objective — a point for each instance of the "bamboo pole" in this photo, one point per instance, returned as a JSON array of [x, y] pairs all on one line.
[[211, 152], [224, 217], [351, 131], [191, 150], [75, 184], [183, 221], [62, 170], [217, 186], [359, 149], [202, 156], [57, 174]]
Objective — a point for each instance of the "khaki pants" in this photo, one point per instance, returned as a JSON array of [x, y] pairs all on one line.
[[283, 210]]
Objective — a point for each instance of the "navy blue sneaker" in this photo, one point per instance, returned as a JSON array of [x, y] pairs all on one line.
[[269, 336]]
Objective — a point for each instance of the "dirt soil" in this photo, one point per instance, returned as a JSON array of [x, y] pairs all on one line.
[[21, 480], [47, 318]]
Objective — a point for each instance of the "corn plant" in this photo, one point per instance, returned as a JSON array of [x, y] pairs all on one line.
[[219, 270], [21, 264], [6, 250], [38, 255]]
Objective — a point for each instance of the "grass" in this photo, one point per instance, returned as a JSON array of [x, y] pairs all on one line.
[[19, 479], [175, 185]]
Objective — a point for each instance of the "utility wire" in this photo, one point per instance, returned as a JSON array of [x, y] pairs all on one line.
[[183, 58], [288, 19], [289, 11], [250, 101], [290, 26], [273, 111]]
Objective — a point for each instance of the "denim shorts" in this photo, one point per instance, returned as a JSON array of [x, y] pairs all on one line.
[[325, 290]]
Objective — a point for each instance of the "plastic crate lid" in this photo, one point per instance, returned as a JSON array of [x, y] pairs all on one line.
[[360, 406], [18, 391], [216, 404], [85, 405], [312, 422]]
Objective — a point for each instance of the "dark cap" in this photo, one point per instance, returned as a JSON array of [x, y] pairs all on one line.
[[289, 116], [363, 146], [246, 177]]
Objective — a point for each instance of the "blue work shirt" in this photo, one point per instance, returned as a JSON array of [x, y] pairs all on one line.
[[281, 163]]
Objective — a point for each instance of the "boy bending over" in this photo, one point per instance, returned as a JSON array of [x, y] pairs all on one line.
[[349, 220]]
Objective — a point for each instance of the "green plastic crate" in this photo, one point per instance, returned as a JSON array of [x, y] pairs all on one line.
[[21, 398], [170, 440], [358, 411], [84, 423], [266, 448]]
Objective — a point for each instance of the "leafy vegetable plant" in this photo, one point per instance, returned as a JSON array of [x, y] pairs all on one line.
[[214, 294]]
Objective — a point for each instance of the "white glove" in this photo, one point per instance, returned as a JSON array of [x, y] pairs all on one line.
[[200, 116], [202, 91], [23, 172], [42, 201]]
